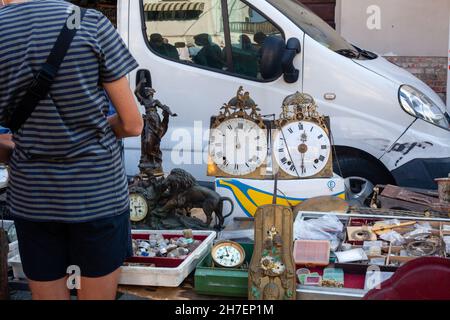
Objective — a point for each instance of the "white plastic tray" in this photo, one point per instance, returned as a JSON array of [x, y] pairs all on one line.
[[16, 265], [13, 249], [167, 277]]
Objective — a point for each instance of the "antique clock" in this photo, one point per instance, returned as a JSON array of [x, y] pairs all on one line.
[[228, 254], [139, 207], [301, 143], [238, 140]]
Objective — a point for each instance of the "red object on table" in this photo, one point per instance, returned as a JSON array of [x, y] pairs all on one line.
[[160, 262], [420, 279]]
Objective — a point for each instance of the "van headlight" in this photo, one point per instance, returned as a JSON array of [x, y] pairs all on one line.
[[419, 105]]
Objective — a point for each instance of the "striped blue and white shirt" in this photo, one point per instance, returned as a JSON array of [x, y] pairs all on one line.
[[67, 164]]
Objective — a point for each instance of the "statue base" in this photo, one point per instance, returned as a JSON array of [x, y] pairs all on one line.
[[158, 218]]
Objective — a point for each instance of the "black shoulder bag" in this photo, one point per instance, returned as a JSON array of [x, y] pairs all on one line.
[[39, 87]]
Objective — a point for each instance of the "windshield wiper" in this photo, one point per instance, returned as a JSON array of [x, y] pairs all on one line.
[[368, 54], [349, 53]]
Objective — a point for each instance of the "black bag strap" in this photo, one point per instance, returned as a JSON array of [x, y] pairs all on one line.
[[40, 87]]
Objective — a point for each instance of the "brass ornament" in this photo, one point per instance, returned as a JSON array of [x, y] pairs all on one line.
[[241, 106], [300, 107]]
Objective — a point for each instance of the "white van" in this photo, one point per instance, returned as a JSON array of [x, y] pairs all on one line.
[[388, 126]]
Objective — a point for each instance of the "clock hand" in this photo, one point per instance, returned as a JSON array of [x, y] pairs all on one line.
[[304, 137], [303, 163], [238, 145], [288, 151]]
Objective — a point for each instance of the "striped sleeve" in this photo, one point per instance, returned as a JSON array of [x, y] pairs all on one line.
[[116, 60]]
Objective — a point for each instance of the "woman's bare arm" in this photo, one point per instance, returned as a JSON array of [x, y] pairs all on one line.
[[6, 147], [128, 120]]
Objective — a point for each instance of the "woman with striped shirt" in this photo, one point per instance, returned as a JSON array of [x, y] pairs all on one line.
[[68, 189]]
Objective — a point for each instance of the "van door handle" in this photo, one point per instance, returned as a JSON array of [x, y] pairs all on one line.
[[329, 96]]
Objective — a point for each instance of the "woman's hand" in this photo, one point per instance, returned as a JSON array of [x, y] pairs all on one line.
[[128, 120], [6, 147]]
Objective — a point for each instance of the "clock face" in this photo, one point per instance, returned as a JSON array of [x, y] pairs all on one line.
[[228, 254], [138, 207], [238, 146], [302, 149]]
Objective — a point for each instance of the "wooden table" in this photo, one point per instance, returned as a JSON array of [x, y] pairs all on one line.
[[184, 292]]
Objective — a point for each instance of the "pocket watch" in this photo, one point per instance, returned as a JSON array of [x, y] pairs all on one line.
[[228, 254], [139, 207], [238, 140], [301, 145]]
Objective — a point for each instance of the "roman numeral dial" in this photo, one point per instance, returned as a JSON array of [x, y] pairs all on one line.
[[302, 149], [238, 146]]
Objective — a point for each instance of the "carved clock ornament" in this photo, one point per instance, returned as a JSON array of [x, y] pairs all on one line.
[[272, 267], [301, 145], [238, 140]]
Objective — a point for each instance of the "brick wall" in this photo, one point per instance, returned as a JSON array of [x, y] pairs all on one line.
[[431, 70], [326, 9]]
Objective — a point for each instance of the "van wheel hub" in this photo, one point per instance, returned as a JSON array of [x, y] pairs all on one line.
[[358, 189]]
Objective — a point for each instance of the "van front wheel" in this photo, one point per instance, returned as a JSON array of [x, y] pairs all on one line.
[[361, 174]]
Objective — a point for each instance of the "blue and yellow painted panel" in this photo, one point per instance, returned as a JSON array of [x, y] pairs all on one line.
[[249, 198]]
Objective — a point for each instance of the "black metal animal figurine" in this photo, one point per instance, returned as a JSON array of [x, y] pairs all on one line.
[[186, 194]]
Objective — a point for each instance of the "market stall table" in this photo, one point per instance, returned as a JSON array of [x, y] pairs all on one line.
[[184, 292]]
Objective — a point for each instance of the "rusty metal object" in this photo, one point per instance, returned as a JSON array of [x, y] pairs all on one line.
[[399, 213], [403, 194], [444, 189], [425, 202]]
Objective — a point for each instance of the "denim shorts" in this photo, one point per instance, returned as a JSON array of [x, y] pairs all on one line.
[[97, 248]]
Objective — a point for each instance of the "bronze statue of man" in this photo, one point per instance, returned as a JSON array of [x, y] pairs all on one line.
[[154, 130]]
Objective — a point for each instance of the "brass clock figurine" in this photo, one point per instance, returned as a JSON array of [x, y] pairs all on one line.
[[302, 146], [238, 140]]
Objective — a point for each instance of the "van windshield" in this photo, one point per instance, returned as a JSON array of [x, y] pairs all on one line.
[[315, 27]]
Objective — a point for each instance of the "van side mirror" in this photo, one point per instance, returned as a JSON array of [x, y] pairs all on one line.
[[271, 55], [293, 48], [277, 58]]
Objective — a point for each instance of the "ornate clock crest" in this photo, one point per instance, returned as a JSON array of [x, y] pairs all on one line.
[[238, 140], [302, 146]]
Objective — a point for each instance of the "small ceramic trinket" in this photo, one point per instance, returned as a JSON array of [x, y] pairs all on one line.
[[188, 234], [171, 247]]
